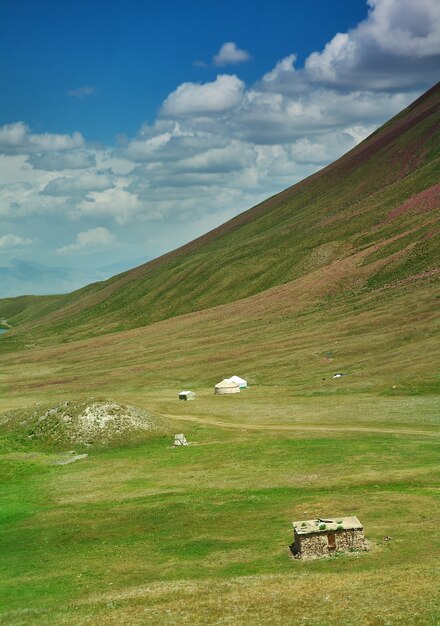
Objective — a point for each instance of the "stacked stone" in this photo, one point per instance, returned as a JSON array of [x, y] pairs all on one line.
[[312, 543]]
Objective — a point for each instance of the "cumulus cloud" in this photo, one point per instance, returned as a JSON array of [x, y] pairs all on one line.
[[82, 92], [91, 180], [283, 68], [279, 118], [230, 54], [403, 27], [17, 138], [190, 99], [58, 161], [116, 203], [89, 240], [232, 157], [22, 199], [13, 241], [397, 46]]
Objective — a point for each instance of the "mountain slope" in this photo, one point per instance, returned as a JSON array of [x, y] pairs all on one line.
[[377, 208]]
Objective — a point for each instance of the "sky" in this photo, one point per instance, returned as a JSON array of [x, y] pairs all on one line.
[[129, 128]]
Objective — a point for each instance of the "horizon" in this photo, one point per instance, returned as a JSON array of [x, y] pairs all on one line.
[[113, 152]]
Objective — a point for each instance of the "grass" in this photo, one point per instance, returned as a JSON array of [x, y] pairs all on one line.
[[114, 537], [144, 533]]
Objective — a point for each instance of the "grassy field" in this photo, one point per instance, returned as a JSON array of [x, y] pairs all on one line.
[[145, 533]]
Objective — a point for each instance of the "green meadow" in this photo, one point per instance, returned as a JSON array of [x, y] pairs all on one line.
[[338, 274], [145, 533]]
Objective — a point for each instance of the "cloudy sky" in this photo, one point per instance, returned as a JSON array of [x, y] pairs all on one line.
[[128, 128]]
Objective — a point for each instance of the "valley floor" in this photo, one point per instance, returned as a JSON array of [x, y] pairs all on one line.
[[148, 534]]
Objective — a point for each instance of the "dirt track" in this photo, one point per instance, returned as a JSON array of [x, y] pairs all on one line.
[[302, 427]]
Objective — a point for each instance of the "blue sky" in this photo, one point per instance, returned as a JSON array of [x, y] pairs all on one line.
[[128, 128], [135, 53]]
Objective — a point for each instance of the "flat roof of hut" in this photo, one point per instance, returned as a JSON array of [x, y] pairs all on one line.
[[226, 386], [324, 536], [314, 525]]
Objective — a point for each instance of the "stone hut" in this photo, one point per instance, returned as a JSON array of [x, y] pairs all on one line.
[[323, 537]]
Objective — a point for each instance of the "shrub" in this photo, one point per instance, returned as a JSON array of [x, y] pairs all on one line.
[[322, 526]]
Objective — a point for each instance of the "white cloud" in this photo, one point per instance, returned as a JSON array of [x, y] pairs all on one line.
[[91, 180], [22, 199], [285, 66], [82, 92], [145, 148], [13, 241], [58, 161], [115, 203], [17, 138], [403, 27], [192, 99], [339, 52], [89, 240], [397, 46], [280, 118], [230, 158], [230, 54]]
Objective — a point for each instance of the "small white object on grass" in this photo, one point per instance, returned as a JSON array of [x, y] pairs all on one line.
[[180, 440]]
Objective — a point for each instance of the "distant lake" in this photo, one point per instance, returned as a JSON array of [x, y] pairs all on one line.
[[2, 330]]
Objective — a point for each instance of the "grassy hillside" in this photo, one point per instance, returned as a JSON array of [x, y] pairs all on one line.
[[24, 307], [385, 190]]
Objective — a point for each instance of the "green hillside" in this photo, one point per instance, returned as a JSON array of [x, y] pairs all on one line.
[[380, 201]]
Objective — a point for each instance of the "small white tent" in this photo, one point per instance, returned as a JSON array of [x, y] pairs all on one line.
[[187, 395], [241, 382], [226, 386]]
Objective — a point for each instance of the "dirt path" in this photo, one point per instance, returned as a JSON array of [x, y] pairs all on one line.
[[301, 427]]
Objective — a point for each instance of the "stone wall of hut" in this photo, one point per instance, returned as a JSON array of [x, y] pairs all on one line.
[[316, 545]]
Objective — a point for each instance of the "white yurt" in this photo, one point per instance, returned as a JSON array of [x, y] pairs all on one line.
[[226, 386], [241, 382]]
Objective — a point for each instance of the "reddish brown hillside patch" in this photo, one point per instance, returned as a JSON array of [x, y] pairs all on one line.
[[422, 202]]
